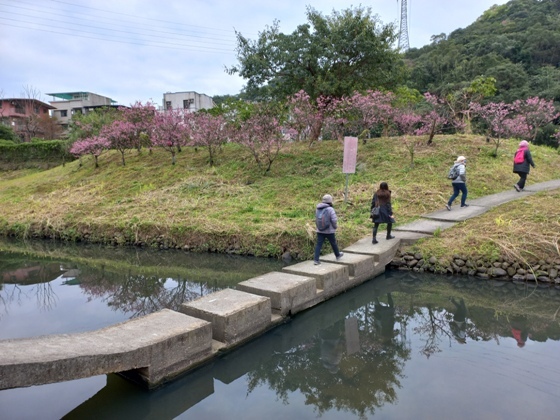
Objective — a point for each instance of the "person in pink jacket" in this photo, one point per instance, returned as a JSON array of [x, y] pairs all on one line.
[[522, 162]]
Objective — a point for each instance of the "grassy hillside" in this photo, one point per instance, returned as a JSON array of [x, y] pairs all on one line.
[[233, 207]]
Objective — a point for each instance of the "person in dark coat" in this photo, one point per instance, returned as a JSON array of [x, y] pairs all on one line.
[[382, 199], [384, 316], [458, 326], [522, 162]]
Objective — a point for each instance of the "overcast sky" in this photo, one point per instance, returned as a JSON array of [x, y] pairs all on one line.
[[136, 50]]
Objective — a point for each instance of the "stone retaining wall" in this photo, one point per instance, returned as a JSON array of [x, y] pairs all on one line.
[[544, 271]]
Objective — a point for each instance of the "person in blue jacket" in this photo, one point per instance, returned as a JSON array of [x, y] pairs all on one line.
[[459, 183]]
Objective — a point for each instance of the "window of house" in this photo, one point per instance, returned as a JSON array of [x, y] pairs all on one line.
[[64, 113], [168, 105], [19, 108], [187, 103]]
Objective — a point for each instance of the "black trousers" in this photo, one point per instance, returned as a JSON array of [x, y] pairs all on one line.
[[376, 226], [522, 179]]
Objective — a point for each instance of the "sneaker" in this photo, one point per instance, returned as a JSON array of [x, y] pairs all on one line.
[[390, 237], [317, 262], [464, 205], [448, 207], [517, 187], [340, 256]]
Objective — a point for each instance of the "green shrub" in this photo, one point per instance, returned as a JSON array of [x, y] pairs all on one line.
[[50, 150], [6, 133]]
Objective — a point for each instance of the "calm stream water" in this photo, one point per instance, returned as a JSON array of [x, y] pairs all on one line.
[[401, 346]]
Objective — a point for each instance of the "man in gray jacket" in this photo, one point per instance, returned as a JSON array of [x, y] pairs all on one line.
[[327, 223]]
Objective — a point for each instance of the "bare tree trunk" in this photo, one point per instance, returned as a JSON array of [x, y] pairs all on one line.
[[432, 132], [315, 131]]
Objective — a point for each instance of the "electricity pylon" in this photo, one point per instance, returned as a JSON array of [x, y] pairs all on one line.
[[403, 31]]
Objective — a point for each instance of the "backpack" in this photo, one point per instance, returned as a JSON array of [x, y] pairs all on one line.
[[453, 172], [519, 156], [323, 219]]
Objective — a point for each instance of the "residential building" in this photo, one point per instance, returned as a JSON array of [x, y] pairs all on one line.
[[190, 101], [24, 116], [77, 102]]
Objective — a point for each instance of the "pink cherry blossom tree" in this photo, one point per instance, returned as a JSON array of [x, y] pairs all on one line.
[[516, 126], [537, 112], [170, 131], [375, 108], [94, 146], [310, 118], [205, 130], [142, 116], [336, 115], [304, 117], [121, 135], [263, 136], [434, 119], [497, 118]]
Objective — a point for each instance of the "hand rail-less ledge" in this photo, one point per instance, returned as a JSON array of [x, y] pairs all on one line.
[[156, 348]]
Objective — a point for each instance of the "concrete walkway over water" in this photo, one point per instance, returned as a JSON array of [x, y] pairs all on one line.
[[161, 346], [443, 219]]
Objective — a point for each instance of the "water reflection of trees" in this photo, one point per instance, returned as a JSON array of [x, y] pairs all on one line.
[[349, 354], [460, 310], [438, 325], [358, 371], [24, 280], [355, 364], [136, 281], [139, 294]]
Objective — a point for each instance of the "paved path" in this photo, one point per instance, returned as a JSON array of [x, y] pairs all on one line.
[[443, 219]]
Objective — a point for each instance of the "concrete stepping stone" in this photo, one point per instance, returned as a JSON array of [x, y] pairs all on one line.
[[361, 267], [328, 276], [288, 293], [235, 315]]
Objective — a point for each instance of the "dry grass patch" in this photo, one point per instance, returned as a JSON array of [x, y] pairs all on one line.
[[524, 230], [234, 204]]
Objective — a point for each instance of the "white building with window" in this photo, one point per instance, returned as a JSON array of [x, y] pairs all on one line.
[[77, 102], [190, 101]]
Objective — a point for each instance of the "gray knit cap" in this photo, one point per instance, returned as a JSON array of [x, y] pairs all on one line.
[[327, 198]]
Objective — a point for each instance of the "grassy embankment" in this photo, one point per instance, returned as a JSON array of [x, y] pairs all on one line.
[[233, 207]]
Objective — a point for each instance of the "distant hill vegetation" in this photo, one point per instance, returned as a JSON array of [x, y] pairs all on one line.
[[517, 43]]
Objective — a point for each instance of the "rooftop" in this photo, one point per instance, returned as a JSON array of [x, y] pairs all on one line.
[[69, 96]]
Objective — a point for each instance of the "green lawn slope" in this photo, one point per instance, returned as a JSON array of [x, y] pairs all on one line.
[[234, 207]]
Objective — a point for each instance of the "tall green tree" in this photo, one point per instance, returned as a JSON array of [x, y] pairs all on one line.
[[330, 56], [459, 99]]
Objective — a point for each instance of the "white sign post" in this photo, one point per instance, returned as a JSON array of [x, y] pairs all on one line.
[[349, 160]]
